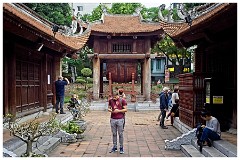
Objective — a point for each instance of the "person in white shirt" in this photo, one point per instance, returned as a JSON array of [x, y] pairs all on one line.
[[173, 98]]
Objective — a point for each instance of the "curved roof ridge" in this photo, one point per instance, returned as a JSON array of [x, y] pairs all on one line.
[[121, 23], [75, 42], [174, 29]]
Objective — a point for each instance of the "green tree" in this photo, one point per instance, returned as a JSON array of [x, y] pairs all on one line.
[[82, 62], [117, 8], [58, 13], [125, 8], [173, 54]]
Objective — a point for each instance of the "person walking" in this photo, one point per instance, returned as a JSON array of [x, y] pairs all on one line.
[[164, 106], [174, 112], [173, 98], [159, 116], [60, 89], [117, 110]]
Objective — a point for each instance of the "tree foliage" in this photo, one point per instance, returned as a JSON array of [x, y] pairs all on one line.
[[82, 61], [124, 8], [86, 72], [58, 13], [168, 48]]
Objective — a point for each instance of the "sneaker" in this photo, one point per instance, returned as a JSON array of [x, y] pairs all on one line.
[[121, 150], [62, 113], [209, 143], [114, 149]]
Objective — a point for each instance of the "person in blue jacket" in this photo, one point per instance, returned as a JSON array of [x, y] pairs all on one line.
[[60, 89], [164, 106]]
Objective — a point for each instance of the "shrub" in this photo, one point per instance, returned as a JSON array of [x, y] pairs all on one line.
[[71, 128], [89, 85], [89, 80], [82, 81]]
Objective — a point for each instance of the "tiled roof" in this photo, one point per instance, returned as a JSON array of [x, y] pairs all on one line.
[[74, 42], [177, 29], [124, 24]]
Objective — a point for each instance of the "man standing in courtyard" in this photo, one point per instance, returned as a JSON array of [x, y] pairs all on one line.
[[60, 89], [164, 106], [117, 110]]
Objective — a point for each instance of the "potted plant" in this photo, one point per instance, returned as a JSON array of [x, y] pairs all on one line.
[[73, 128], [79, 109]]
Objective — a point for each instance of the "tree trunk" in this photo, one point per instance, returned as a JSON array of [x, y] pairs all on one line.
[[29, 148]]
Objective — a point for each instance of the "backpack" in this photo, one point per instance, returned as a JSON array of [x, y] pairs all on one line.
[[199, 132]]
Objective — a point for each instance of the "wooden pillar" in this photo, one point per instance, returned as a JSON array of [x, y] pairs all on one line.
[[110, 84], [142, 86], [101, 79], [5, 83], [43, 99], [147, 71], [12, 79], [134, 48], [96, 77], [133, 81], [133, 96]]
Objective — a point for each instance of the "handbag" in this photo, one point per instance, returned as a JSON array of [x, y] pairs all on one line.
[[173, 114]]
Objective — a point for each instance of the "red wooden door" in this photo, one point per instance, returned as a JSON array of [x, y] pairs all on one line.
[[122, 71], [27, 85]]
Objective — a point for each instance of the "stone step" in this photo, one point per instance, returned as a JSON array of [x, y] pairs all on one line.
[[190, 151], [226, 148], [220, 148], [48, 146], [12, 144], [44, 144], [208, 151]]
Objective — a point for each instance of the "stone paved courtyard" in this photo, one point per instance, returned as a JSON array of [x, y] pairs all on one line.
[[142, 137]]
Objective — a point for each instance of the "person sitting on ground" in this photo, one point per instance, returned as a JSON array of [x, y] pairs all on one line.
[[74, 99], [73, 104], [211, 131], [174, 111]]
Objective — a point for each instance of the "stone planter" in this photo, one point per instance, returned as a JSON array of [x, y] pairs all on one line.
[[80, 135], [81, 123], [66, 137]]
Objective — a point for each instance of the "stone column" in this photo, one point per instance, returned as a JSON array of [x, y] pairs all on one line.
[[96, 76], [147, 78], [147, 71]]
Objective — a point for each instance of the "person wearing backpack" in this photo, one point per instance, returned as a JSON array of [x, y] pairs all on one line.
[[211, 131], [117, 109], [122, 95]]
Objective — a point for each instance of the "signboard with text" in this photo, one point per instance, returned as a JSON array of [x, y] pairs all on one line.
[[167, 75]]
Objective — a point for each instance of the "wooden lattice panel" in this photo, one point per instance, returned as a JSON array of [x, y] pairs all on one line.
[[191, 92]]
